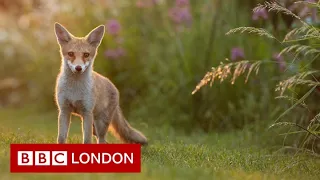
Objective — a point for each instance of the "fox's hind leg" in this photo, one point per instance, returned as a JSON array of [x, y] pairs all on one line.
[[100, 140], [100, 127]]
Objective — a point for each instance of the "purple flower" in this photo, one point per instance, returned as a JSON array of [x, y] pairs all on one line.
[[113, 27], [141, 4], [146, 3], [155, 1], [277, 57], [308, 11], [280, 61], [311, 1], [304, 11], [115, 53], [185, 15], [173, 14], [182, 3], [120, 52], [237, 54], [111, 53], [180, 15], [282, 66], [260, 14]]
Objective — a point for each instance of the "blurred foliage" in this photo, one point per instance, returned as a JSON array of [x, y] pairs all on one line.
[[157, 57]]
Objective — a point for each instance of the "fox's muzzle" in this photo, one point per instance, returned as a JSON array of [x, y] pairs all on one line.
[[78, 68]]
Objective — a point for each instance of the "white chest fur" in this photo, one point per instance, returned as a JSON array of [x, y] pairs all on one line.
[[77, 90]]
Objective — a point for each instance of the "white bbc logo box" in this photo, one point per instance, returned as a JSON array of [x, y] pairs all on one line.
[[42, 158]]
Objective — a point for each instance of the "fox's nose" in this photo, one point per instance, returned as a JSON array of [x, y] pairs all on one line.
[[78, 68]]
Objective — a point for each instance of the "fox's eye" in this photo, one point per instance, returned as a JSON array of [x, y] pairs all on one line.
[[71, 54], [86, 55]]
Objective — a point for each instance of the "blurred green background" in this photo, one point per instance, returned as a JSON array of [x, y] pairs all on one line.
[[165, 52]]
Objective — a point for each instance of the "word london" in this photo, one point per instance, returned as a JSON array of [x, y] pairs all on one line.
[[59, 158]]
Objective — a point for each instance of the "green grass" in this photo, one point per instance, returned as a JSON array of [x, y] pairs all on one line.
[[171, 154]]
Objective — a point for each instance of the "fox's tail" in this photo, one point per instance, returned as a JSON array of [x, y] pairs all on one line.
[[121, 129]]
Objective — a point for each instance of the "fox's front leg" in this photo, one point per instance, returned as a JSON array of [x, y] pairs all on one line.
[[63, 125], [87, 127]]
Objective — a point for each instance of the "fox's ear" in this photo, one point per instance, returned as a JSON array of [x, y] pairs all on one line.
[[62, 34], [96, 35]]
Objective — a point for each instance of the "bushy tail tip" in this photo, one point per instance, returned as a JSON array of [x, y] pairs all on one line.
[[123, 131]]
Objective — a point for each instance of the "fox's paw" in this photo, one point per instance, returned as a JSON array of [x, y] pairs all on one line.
[[61, 140]]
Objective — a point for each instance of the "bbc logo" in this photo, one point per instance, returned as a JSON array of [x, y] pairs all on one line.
[[42, 158]]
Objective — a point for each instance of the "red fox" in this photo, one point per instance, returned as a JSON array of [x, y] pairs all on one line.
[[83, 92]]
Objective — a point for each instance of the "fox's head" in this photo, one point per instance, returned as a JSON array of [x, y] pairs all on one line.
[[78, 53]]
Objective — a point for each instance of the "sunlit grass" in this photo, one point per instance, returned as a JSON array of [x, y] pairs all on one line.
[[170, 155]]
